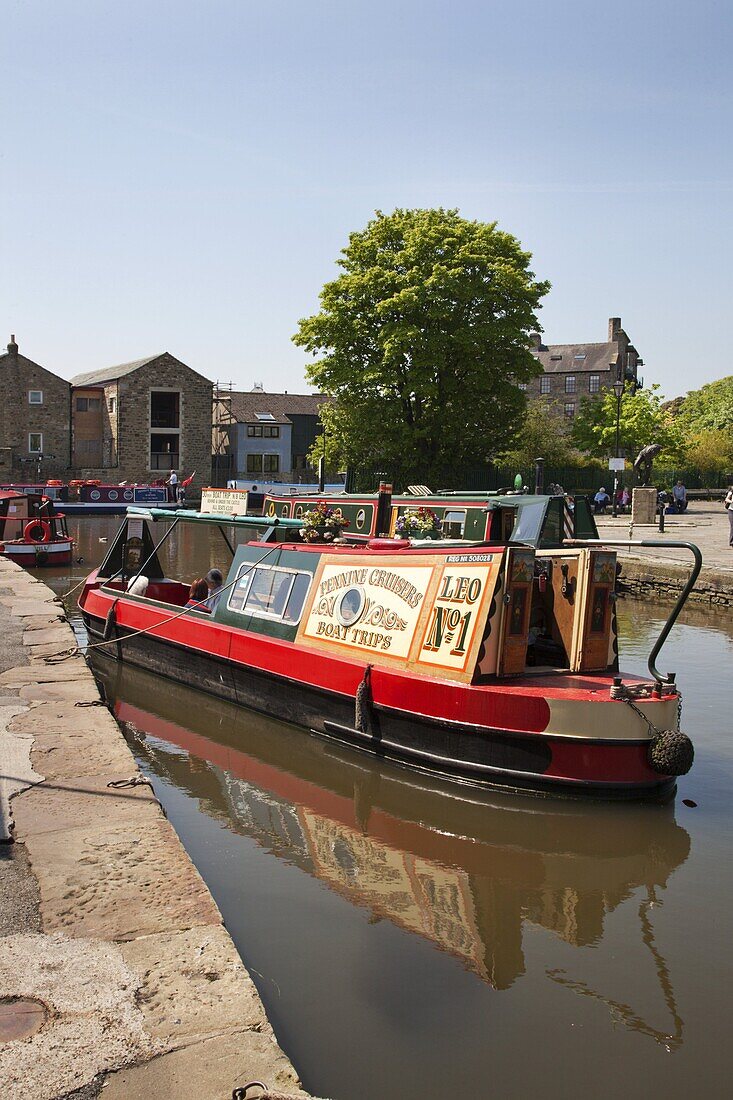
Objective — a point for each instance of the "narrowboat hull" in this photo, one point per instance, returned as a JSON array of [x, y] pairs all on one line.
[[410, 721], [38, 554]]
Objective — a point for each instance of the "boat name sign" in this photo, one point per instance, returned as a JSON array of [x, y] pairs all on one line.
[[425, 615]]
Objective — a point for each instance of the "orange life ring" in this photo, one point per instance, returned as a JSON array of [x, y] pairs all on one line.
[[31, 530]]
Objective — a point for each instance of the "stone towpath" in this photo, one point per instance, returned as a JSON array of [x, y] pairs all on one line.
[[107, 931]]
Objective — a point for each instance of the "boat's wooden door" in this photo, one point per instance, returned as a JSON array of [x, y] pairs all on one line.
[[519, 578], [599, 587]]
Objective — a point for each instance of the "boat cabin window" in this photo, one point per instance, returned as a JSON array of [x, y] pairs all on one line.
[[270, 593], [529, 522], [454, 524]]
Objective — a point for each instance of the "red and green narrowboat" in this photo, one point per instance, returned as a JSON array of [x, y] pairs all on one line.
[[490, 662]]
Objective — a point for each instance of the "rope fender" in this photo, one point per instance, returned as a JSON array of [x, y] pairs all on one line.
[[671, 752], [363, 703], [109, 622]]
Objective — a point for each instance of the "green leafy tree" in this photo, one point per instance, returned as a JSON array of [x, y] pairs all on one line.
[[709, 449], [544, 434], [643, 420], [709, 408], [422, 341]]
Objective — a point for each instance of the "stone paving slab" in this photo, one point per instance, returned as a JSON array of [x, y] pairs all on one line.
[[59, 632], [73, 669], [34, 608], [75, 691], [210, 1070], [83, 802], [192, 985], [62, 750], [117, 882]]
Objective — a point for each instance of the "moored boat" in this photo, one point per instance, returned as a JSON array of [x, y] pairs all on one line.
[[93, 498], [493, 663], [32, 533]]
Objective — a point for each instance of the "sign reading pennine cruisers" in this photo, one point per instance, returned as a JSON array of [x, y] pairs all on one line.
[[365, 607]]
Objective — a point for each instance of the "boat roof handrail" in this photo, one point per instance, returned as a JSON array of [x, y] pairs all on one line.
[[681, 600], [187, 515]]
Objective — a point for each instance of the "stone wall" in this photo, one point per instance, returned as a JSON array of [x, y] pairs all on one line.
[[663, 582], [127, 425], [19, 418]]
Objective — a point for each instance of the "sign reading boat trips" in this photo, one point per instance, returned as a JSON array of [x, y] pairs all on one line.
[[224, 502], [427, 614]]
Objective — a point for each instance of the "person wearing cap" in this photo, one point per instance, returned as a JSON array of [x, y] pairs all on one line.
[[214, 581], [601, 500]]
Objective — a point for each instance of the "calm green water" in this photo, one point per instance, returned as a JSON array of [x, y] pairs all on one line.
[[412, 941]]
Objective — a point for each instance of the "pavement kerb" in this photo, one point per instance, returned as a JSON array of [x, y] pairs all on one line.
[[144, 990]]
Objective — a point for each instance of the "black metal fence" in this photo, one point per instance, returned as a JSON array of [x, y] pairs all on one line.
[[574, 479]]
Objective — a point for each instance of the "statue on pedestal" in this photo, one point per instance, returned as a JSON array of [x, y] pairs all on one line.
[[643, 462]]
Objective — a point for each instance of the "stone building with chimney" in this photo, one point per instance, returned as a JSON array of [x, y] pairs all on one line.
[[573, 371], [138, 421], [35, 434]]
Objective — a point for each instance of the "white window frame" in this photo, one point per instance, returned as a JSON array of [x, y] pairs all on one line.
[[446, 520], [594, 378], [545, 384], [30, 397], [37, 450], [252, 569]]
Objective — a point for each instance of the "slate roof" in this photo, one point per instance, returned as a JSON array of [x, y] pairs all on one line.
[[110, 374], [597, 358], [281, 406]]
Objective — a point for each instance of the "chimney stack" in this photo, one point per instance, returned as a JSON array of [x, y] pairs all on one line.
[[13, 349], [614, 327], [535, 340]]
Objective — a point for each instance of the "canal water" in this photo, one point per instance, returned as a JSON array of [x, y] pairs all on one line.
[[412, 940]]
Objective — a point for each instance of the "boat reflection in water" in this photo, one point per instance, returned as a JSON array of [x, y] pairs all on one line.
[[466, 872]]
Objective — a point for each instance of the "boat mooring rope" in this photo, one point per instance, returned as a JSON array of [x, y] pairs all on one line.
[[74, 651]]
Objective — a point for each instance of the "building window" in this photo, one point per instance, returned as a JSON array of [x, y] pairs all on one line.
[[272, 464], [570, 384], [164, 452], [35, 397], [254, 464], [544, 384], [594, 383], [82, 404], [112, 404], [271, 431], [35, 443], [165, 409], [254, 430], [569, 409]]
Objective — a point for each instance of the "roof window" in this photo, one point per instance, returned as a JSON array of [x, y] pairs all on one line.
[[264, 416], [555, 358]]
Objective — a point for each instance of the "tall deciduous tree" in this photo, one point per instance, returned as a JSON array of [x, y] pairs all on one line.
[[423, 342], [642, 421]]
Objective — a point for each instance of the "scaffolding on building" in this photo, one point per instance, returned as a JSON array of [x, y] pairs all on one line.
[[222, 441]]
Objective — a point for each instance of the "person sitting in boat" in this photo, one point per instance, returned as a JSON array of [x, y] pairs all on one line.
[[214, 582], [198, 595]]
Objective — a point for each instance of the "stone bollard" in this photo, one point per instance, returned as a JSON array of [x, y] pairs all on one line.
[[644, 506]]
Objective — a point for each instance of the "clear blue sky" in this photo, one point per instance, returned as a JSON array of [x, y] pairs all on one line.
[[182, 175]]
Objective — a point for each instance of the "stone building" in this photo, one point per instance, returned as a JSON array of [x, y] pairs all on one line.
[[272, 433], [140, 420], [574, 371], [34, 420]]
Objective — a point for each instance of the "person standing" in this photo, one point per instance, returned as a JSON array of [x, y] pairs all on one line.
[[172, 484], [729, 506], [679, 493]]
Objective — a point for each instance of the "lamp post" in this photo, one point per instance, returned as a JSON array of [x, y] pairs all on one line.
[[618, 389]]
